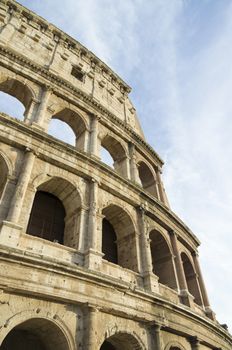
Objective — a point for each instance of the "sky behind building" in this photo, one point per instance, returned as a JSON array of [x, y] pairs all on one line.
[[176, 55]]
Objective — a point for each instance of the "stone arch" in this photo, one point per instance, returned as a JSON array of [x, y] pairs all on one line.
[[36, 325], [162, 259], [5, 171], [174, 345], [122, 341], [191, 278], [147, 177], [67, 193], [125, 233], [18, 89], [117, 152], [76, 122]]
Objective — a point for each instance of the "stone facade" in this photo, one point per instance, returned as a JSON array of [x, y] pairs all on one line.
[[142, 289]]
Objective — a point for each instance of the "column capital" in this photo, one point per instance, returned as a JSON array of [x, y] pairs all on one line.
[[193, 339]]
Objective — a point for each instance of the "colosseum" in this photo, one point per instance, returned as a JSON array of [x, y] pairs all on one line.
[[92, 257]]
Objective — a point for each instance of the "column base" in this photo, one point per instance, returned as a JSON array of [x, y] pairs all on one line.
[[209, 313], [150, 282], [10, 233], [37, 126], [186, 298], [93, 259]]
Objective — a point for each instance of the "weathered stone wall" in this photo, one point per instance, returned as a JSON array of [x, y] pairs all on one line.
[[67, 295]]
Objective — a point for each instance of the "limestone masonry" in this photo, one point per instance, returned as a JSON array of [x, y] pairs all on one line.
[[91, 257]]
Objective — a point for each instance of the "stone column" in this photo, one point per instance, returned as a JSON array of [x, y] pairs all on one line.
[[30, 112], [133, 166], [179, 270], [93, 255], [150, 280], [156, 336], [91, 327], [202, 286], [161, 190], [82, 229], [21, 187], [10, 229], [94, 136], [39, 120]]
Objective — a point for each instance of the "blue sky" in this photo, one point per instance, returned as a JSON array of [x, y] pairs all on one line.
[[176, 55]]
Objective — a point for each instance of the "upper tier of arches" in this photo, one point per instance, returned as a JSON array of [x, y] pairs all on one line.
[[87, 134]]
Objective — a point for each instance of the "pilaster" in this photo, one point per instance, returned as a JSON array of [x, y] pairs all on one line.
[[184, 294], [93, 255], [150, 280], [204, 294]]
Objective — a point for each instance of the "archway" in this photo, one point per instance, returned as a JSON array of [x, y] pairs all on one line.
[[11, 106], [62, 220], [76, 123], [147, 178], [17, 90], [191, 279], [47, 219], [162, 260], [36, 334], [121, 341], [117, 152], [62, 131], [119, 225], [109, 242]]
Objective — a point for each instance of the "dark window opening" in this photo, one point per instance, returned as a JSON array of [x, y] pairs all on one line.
[[77, 73], [47, 218], [109, 244], [107, 346]]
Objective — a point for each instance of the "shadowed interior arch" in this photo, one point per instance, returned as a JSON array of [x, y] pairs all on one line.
[[162, 260], [36, 334], [191, 279], [121, 341], [147, 178], [119, 225], [63, 216]]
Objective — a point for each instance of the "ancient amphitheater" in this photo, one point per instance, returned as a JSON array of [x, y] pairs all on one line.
[[92, 257]]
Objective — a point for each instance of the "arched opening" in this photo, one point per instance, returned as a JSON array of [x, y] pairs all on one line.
[[117, 154], [77, 125], [47, 218], [106, 157], [191, 279], [147, 178], [119, 225], [3, 175], [174, 348], [55, 215], [162, 260], [109, 242], [121, 341], [62, 131], [11, 106], [36, 334], [18, 91]]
